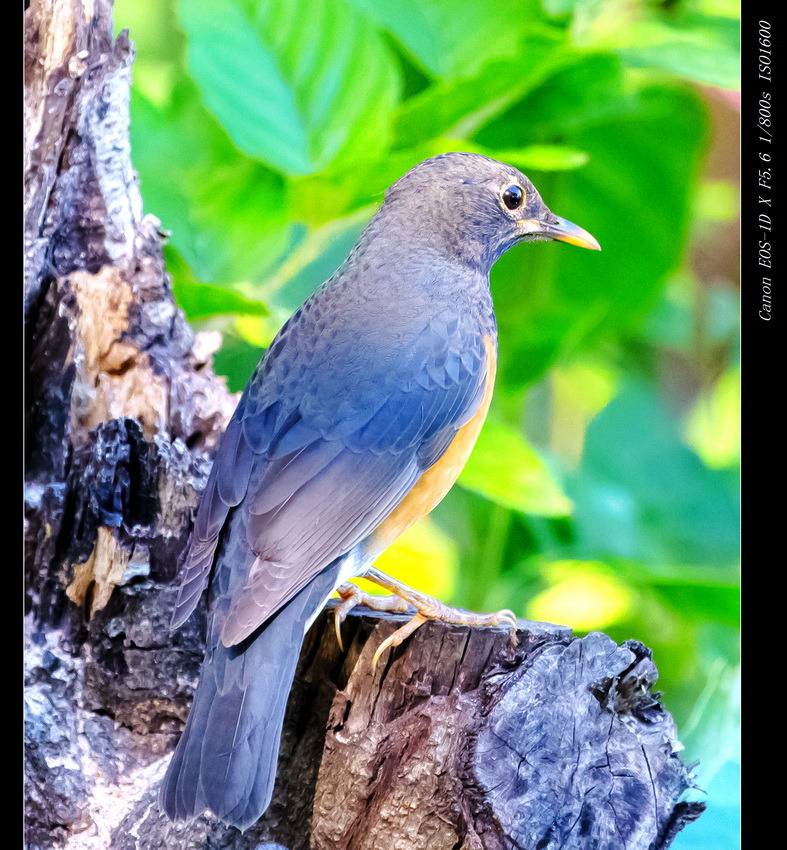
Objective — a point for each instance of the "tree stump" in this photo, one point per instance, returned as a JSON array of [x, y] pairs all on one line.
[[459, 739]]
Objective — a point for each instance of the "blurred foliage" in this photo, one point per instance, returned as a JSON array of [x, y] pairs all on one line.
[[604, 488]]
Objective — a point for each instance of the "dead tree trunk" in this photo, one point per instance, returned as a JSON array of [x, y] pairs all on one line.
[[121, 413], [458, 740]]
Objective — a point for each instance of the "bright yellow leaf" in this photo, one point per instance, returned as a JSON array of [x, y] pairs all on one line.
[[584, 595]]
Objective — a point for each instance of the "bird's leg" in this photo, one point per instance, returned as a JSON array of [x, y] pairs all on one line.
[[427, 608], [351, 595]]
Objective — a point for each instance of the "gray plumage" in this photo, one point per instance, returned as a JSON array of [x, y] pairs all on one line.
[[359, 394]]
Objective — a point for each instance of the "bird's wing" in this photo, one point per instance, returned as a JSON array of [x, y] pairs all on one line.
[[326, 442], [225, 488]]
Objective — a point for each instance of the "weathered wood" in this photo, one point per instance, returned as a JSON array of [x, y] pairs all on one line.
[[122, 410], [122, 406], [458, 740]]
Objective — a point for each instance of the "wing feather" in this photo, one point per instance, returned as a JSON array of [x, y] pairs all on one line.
[[225, 488], [321, 451]]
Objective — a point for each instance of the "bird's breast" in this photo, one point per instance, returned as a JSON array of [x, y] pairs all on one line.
[[438, 479]]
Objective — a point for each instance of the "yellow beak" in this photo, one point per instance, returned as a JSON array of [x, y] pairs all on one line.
[[562, 231]]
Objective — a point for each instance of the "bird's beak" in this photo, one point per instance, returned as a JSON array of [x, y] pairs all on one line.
[[561, 230]]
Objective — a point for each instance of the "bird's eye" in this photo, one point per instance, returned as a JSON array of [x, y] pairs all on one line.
[[513, 197]]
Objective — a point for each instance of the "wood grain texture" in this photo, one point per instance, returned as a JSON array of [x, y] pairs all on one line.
[[116, 381], [122, 413], [460, 740]]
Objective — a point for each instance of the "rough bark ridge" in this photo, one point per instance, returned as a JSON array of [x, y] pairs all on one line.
[[457, 741], [122, 410]]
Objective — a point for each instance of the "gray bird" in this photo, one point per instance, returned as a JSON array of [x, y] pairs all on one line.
[[354, 425]]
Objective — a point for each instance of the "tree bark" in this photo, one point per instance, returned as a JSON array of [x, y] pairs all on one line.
[[122, 411], [458, 740]]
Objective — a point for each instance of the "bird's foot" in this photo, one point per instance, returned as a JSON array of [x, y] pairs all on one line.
[[427, 608], [351, 595]]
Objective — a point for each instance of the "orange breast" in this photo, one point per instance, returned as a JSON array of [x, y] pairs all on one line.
[[432, 486]]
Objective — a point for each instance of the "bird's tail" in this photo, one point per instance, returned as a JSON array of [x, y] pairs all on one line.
[[226, 758]]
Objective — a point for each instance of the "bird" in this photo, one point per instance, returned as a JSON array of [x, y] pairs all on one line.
[[355, 424]]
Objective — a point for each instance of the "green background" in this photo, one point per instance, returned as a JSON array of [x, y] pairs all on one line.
[[603, 492]]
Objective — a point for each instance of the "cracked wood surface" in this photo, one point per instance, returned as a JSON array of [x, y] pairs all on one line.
[[122, 406], [458, 740]]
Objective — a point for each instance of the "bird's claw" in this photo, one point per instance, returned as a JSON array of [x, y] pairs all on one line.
[[509, 617], [506, 616], [398, 637], [426, 608], [351, 595], [437, 611]]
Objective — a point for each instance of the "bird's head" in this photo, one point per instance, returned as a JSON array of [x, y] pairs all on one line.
[[473, 208]]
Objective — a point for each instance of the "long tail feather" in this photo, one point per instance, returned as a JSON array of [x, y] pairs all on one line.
[[227, 757]]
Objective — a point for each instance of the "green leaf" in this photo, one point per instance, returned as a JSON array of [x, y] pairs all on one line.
[[703, 47], [634, 196], [558, 8], [459, 107], [505, 469], [297, 84], [702, 602], [151, 25], [708, 53], [455, 38], [236, 359], [714, 426], [642, 494], [227, 214], [582, 91], [157, 44], [542, 157], [203, 300]]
